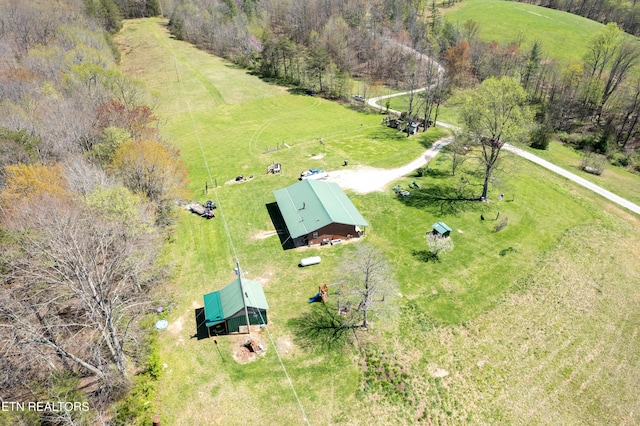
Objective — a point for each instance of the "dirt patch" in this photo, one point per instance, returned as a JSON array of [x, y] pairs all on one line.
[[317, 157], [261, 235], [364, 180], [236, 180], [285, 346], [176, 326], [437, 372], [247, 348], [264, 278]]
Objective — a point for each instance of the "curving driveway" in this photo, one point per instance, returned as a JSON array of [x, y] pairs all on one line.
[[369, 179], [363, 179], [574, 178]]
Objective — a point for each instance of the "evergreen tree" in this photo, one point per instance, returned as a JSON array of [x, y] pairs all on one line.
[[177, 25], [111, 18], [152, 8], [106, 12]]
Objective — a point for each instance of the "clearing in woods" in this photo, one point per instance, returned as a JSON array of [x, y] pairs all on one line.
[[534, 324]]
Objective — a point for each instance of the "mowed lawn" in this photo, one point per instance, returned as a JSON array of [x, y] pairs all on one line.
[[615, 179], [562, 36], [461, 333]]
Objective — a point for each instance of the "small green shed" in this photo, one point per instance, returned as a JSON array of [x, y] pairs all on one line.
[[224, 310], [441, 229]]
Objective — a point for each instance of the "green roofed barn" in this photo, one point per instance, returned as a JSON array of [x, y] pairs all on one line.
[[224, 310], [318, 212]]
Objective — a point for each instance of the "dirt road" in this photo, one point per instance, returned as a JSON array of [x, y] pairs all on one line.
[[363, 179], [377, 176]]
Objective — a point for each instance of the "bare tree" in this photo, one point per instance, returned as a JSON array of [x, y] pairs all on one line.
[[626, 58], [458, 150], [154, 170], [630, 113], [74, 285], [608, 62], [367, 285], [82, 175], [434, 93]]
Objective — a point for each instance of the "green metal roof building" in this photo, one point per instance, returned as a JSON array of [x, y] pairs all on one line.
[[224, 309], [316, 211]]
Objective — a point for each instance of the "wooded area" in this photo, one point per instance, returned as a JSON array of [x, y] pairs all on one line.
[[87, 189]]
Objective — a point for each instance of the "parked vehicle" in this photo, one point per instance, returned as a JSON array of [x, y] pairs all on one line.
[[274, 168], [313, 174], [205, 211]]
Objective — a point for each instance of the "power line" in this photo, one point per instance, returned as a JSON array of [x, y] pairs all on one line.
[[275, 347], [233, 250]]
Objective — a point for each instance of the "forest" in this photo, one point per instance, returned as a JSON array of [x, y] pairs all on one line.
[[88, 185], [87, 195]]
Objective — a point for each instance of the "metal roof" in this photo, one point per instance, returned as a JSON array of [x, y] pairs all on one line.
[[309, 205], [227, 301], [441, 228]]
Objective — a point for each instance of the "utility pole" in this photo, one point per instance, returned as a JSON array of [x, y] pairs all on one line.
[[244, 296]]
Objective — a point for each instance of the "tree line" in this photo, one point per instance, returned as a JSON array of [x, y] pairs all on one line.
[[87, 189], [592, 104], [315, 44], [625, 13], [109, 13]]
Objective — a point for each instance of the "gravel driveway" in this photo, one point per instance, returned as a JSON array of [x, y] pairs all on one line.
[[364, 179]]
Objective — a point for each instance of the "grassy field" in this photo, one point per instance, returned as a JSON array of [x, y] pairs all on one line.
[[615, 179], [563, 36], [534, 324]]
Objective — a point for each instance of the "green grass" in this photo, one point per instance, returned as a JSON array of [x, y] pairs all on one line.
[[453, 314], [615, 179], [563, 36], [470, 279]]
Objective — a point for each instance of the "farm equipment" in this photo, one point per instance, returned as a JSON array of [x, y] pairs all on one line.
[[205, 211], [402, 192], [274, 168]]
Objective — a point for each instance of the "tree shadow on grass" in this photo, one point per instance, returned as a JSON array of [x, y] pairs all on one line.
[[322, 328], [425, 256], [294, 90], [386, 134], [432, 173], [443, 200]]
